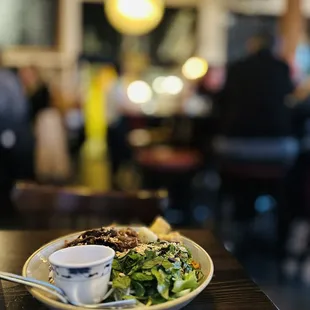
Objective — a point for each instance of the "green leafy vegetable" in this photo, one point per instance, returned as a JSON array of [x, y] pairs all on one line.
[[152, 263], [167, 265], [154, 273], [116, 265], [188, 282], [135, 256], [149, 254], [157, 299], [163, 282], [126, 297], [140, 276], [121, 282], [183, 293], [139, 288]]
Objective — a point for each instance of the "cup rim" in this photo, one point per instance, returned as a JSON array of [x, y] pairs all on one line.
[[96, 262]]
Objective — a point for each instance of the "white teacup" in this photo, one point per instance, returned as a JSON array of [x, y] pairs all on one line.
[[83, 272]]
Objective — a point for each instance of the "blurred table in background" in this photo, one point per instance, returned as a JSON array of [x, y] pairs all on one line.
[[166, 158], [174, 169], [181, 130]]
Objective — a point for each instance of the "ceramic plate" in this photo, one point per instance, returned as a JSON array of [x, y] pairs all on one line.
[[37, 267]]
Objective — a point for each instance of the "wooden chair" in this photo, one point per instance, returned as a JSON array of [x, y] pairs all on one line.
[[79, 208]]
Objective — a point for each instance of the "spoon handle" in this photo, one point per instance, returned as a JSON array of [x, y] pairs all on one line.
[[128, 303], [44, 286], [43, 283], [58, 293]]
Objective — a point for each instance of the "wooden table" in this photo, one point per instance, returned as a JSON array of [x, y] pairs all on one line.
[[230, 289], [174, 169], [167, 158]]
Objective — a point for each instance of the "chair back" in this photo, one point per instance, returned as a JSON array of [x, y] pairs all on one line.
[[256, 158], [42, 207]]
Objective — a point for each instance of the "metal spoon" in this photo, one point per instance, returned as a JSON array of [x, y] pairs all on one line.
[[59, 293]]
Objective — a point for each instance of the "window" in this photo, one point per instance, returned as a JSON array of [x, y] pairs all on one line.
[[28, 23], [100, 39]]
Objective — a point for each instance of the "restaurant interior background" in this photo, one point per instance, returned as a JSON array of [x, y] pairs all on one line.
[[132, 107]]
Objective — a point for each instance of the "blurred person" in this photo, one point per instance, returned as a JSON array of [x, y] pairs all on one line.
[[38, 94], [75, 126], [252, 103], [52, 163], [51, 155], [194, 103], [211, 85], [16, 141], [118, 107], [255, 128], [255, 121]]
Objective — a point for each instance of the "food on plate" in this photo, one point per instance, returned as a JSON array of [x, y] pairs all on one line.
[[164, 231], [154, 273], [160, 226], [146, 235], [117, 239], [151, 264], [172, 237]]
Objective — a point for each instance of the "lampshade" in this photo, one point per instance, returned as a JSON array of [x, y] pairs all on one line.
[[134, 17]]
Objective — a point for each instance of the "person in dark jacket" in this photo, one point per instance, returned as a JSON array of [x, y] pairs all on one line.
[[252, 103], [256, 130], [255, 121]]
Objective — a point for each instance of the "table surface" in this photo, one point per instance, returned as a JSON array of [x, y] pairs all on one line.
[[230, 289], [171, 158]]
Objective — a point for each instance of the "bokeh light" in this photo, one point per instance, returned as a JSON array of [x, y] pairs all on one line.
[[171, 85], [149, 108], [139, 92], [158, 85], [195, 68], [139, 137], [8, 139], [134, 17]]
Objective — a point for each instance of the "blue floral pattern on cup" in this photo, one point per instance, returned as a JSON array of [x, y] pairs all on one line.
[[82, 273]]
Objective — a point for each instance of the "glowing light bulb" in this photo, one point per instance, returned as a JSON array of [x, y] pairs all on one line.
[[139, 92], [141, 10], [134, 17], [195, 68]]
